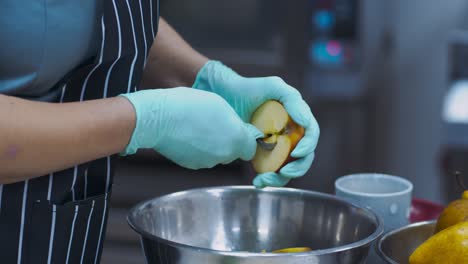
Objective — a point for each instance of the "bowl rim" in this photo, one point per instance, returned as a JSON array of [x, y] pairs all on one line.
[[366, 241], [382, 238]]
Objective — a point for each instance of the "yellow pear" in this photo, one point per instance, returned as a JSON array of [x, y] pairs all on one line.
[[449, 246], [456, 211]]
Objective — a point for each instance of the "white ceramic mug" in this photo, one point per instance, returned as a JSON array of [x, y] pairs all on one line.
[[388, 196]]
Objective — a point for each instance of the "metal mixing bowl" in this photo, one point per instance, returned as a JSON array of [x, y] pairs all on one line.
[[234, 224], [397, 246]]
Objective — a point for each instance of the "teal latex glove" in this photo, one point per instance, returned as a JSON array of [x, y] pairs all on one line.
[[245, 95], [195, 129]]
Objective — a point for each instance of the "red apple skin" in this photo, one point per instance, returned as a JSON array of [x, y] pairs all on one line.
[[296, 133]]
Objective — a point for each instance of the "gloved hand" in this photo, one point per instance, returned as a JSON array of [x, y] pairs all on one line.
[[195, 129], [245, 95]]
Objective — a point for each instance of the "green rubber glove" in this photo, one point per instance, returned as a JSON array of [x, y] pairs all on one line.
[[195, 129], [245, 95]]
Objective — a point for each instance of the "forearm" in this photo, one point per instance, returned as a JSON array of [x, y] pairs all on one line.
[[171, 62], [37, 138]]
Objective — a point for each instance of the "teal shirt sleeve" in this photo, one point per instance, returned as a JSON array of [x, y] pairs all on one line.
[[41, 41]]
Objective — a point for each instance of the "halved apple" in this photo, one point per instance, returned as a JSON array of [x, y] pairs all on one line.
[[272, 119]]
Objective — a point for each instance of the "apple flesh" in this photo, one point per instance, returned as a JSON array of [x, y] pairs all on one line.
[[272, 119], [293, 250]]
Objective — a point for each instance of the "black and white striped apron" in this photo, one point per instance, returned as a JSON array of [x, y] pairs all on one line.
[[61, 217]]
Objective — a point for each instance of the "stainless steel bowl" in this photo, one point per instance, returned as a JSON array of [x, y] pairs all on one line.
[[396, 246], [234, 224]]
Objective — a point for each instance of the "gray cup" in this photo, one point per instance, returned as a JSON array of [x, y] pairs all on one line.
[[388, 196]]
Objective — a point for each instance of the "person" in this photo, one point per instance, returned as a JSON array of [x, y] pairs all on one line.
[[78, 85]]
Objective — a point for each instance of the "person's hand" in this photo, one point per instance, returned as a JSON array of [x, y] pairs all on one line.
[[245, 95], [195, 129]]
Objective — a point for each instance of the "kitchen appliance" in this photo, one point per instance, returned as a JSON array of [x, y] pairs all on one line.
[[243, 31], [301, 40], [455, 115], [397, 246], [333, 33], [235, 224], [333, 49]]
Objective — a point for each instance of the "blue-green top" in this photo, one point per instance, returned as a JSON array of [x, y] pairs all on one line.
[[41, 41]]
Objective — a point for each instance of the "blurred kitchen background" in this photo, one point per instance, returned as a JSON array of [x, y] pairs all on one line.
[[384, 78]]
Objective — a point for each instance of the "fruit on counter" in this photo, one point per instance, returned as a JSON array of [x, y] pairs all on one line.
[[449, 246], [455, 212], [292, 250], [272, 119]]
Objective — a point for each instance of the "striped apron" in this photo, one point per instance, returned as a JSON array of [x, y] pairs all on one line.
[[61, 217]]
